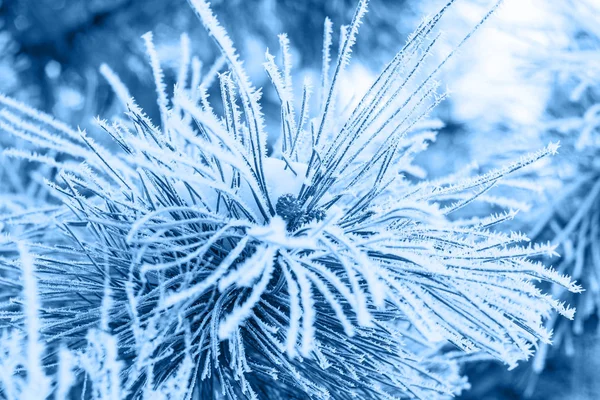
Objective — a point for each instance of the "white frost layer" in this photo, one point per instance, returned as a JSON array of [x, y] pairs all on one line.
[[281, 179]]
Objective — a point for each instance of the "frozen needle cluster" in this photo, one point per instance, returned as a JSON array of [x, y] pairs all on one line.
[[187, 260]]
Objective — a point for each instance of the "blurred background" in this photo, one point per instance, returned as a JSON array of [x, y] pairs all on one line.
[[530, 76]]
